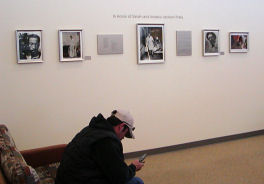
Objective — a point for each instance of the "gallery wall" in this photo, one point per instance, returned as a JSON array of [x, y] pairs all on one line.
[[185, 99]]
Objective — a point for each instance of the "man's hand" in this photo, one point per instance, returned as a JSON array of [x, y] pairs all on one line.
[[138, 164]]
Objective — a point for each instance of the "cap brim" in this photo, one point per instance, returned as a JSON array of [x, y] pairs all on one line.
[[130, 134]]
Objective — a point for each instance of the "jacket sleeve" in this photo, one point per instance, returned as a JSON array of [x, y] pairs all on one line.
[[109, 157]]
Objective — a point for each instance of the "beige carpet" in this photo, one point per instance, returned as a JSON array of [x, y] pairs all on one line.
[[233, 162]]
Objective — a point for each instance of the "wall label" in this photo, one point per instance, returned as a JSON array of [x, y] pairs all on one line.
[[134, 16]]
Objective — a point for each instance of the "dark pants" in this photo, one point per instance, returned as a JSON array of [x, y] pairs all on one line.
[[135, 180]]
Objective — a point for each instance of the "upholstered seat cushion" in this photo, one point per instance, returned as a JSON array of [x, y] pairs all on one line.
[[47, 173]]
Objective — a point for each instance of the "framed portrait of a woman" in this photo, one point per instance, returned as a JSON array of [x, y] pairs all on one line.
[[211, 42], [71, 46]]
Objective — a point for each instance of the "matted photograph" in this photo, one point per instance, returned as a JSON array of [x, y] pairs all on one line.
[[238, 42], [29, 49], [210, 42], [150, 43], [70, 42]]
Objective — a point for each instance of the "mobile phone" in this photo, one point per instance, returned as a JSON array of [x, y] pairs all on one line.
[[142, 158]]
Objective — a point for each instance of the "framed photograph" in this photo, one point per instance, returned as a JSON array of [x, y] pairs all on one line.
[[71, 48], [150, 43], [210, 42], [29, 46], [238, 42]]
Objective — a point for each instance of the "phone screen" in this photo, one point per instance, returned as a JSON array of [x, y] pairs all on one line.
[[142, 158]]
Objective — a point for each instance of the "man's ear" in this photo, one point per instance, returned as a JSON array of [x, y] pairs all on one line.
[[122, 127]]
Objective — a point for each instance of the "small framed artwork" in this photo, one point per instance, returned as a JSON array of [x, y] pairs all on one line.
[[150, 43], [71, 47], [238, 41], [29, 46], [210, 42]]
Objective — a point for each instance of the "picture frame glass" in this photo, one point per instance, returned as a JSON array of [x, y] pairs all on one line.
[[211, 42], [150, 43], [29, 46], [238, 41], [70, 42]]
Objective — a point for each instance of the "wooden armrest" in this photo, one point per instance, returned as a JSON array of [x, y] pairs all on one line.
[[44, 155]]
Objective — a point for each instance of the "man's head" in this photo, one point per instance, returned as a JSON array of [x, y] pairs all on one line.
[[33, 42], [123, 123]]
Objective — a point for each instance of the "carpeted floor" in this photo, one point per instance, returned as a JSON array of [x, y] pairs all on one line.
[[233, 162]]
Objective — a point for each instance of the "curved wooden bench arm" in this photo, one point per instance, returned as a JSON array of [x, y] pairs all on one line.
[[44, 155]]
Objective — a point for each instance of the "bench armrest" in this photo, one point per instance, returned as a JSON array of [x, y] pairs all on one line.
[[44, 155]]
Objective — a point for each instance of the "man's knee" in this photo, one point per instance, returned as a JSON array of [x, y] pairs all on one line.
[[135, 180]]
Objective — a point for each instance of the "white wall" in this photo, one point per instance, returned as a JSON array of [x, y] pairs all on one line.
[[185, 99]]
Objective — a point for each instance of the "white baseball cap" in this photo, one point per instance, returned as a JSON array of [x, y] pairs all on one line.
[[126, 118]]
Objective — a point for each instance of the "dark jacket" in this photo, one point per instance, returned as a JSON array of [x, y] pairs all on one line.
[[94, 156]]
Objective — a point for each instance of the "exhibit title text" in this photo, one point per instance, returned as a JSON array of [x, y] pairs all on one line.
[[132, 16]]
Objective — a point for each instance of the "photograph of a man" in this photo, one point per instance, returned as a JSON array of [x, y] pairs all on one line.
[[29, 46]]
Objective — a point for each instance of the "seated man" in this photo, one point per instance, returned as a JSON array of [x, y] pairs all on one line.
[[95, 155]]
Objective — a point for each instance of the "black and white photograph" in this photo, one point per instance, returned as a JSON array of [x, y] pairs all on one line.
[[238, 42], [29, 49], [70, 42], [210, 42], [150, 43]]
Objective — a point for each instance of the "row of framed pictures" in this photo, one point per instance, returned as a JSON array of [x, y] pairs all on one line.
[[150, 44], [29, 45], [238, 42]]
